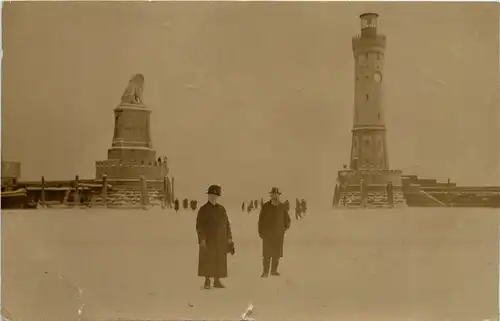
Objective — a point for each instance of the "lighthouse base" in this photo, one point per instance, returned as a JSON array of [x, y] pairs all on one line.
[[369, 188]]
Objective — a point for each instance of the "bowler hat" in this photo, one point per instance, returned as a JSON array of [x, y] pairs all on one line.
[[214, 189], [275, 190]]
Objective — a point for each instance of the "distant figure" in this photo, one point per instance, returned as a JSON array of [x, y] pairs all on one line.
[[214, 239], [185, 203], [287, 205], [249, 207], [256, 204], [298, 210], [192, 204], [159, 160], [303, 206], [243, 206], [261, 202], [176, 205], [273, 222]]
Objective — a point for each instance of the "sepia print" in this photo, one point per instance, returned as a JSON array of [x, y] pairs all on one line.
[[275, 161]]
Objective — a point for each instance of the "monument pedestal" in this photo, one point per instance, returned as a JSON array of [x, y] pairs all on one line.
[[369, 188]]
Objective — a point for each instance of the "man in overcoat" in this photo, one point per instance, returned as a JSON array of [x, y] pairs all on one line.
[[214, 239], [274, 221]]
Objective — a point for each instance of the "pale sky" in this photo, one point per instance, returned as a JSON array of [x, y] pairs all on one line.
[[250, 95]]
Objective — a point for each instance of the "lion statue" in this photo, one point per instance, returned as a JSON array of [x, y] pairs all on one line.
[[133, 92]]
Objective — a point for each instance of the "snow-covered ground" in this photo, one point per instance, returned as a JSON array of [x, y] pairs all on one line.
[[410, 264]]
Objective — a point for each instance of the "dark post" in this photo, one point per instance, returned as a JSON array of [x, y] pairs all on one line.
[[390, 195], [77, 192], [42, 193], [170, 199], [336, 195], [173, 188], [362, 191], [104, 191], [165, 192], [144, 192]]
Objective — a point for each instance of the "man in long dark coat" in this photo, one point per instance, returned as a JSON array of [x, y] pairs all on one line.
[[214, 239], [274, 221]]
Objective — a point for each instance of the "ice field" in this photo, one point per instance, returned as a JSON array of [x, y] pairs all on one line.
[[409, 264]]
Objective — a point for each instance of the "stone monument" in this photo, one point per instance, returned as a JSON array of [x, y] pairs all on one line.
[[132, 167], [369, 182], [131, 154]]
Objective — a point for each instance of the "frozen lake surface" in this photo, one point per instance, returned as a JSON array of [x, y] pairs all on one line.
[[409, 264]]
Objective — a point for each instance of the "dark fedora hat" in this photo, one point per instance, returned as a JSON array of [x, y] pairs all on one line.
[[275, 190], [215, 189]]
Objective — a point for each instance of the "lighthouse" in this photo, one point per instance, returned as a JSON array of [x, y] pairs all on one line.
[[369, 181], [369, 147]]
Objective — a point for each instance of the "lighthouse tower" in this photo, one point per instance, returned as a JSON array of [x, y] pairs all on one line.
[[368, 182], [369, 148]]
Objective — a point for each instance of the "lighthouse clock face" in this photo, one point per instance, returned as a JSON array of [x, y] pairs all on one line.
[[377, 77]]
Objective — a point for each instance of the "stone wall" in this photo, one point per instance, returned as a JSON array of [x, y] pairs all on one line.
[[128, 197], [371, 177], [131, 154], [375, 198], [131, 170], [128, 193]]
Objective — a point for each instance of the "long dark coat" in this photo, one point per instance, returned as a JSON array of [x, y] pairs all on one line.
[[273, 223], [212, 225]]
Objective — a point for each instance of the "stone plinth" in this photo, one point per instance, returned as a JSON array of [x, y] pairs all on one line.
[[116, 169], [132, 137], [369, 188], [371, 176]]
